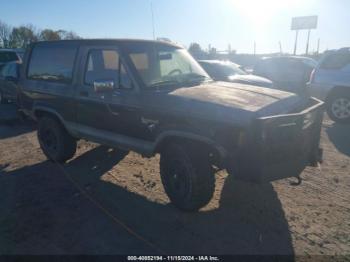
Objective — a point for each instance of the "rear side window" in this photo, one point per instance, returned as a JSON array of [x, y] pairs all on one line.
[[52, 63], [6, 57], [336, 61]]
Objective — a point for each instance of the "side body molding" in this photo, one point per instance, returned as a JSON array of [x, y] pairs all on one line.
[[147, 148]]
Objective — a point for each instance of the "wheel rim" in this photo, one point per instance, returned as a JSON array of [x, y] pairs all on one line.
[[178, 179], [341, 108], [49, 140]]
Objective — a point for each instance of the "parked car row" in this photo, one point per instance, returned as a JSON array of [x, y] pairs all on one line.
[[10, 59], [328, 79], [231, 72], [9, 74], [289, 73], [11, 55]]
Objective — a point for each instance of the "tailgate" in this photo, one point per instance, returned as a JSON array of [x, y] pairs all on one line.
[[283, 145]]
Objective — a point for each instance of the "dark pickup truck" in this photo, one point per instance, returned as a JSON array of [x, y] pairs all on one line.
[[153, 97]]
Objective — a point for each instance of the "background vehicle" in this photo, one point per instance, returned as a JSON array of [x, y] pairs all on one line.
[[9, 75], [11, 55], [330, 82], [231, 72], [153, 97], [290, 73]]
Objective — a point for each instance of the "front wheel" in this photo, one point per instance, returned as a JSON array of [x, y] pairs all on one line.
[[187, 176], [338, 107]]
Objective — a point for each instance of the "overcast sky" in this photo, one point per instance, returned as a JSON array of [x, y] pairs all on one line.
[[216, 22]]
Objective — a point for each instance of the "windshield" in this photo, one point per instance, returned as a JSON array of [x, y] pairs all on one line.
[[310, 62], [162, 65], [229, 69], [6, 57]]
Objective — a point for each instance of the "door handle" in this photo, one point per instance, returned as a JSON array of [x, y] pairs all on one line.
[[84, 93]]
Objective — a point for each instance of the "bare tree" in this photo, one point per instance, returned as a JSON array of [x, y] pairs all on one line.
[[68, 35], [5, 33], [22, 36], [49, 35]]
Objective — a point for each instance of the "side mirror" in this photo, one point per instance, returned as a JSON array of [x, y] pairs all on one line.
[[103, 86]]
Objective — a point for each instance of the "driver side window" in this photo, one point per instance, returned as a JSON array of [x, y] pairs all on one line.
[[106, 65]]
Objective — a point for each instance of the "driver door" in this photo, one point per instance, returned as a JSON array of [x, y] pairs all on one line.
[[115, 110]]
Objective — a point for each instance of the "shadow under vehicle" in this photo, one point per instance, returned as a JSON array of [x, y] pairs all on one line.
[[249, 220]]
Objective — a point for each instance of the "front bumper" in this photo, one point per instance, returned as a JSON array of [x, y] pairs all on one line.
[[281, 146]]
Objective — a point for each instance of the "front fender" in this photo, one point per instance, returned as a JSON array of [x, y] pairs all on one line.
[[166, 135]]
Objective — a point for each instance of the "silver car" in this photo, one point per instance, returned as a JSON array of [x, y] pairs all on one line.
[[230, 72], [330, 81]]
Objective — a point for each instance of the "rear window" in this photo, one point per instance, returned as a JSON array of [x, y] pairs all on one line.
[[6, 57], [336, 61], [52, 63]]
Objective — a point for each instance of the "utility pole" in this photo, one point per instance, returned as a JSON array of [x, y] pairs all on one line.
[[296, 42], [280, 44], [318, 46], [308, 41], [254, 48], [153, 30]]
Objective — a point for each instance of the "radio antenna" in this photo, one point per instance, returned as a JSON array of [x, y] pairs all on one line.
[[153, 30]]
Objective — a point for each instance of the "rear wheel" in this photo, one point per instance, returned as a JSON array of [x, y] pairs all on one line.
[[338, 106], [187, 176], [55, 141]]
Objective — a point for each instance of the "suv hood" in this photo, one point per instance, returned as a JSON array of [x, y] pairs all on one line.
[[251, 80], [228, 102]]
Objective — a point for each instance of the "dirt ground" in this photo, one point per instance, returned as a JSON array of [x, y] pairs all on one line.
[[106, 201]]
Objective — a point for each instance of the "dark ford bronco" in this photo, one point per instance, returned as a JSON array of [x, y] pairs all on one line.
[[153, 97]]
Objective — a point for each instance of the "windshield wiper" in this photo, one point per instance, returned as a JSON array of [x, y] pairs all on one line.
[[163, 83], [193, 77]]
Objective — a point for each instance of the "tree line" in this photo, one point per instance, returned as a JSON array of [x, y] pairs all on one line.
[[22, 36]]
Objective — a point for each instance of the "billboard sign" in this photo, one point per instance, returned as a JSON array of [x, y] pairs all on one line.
[[304, 22]]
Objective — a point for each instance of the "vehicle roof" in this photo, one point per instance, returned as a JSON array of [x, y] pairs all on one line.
[[286, 57], [217, 62], [11, 50], [107, 41], [343, 49]]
